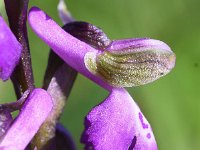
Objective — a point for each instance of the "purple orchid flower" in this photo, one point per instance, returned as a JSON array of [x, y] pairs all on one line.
[[116, 123], [16, 134]]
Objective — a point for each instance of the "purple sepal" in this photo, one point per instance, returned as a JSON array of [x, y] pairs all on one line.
[[118, 123], [32, 115], [10, 51], [140, 43]]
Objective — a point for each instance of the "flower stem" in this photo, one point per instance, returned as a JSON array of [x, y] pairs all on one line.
[[22, 77], [13, 106]]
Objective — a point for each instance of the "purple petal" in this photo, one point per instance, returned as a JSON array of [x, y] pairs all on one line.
[[119, 124], [65, 45], [10, 51], [69, 48], [26, 125]]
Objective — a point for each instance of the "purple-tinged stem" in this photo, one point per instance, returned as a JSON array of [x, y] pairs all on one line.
[[22, 77], [13, 106]]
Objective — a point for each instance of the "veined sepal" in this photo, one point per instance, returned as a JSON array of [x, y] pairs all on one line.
[[131, 62]]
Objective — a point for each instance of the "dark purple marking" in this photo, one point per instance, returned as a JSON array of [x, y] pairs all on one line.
[[148, 135], [144, 125], [133, 143]]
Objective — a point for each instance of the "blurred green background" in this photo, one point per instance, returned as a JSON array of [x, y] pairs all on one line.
[[171, 104]]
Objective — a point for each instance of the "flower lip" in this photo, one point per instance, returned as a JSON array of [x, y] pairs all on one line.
[[118, 123], [10, 51]]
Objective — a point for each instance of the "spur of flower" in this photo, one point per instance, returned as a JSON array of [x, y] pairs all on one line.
[[116, 123]]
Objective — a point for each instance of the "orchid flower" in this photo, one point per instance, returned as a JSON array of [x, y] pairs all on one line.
[[16, 134], [116, 123]]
